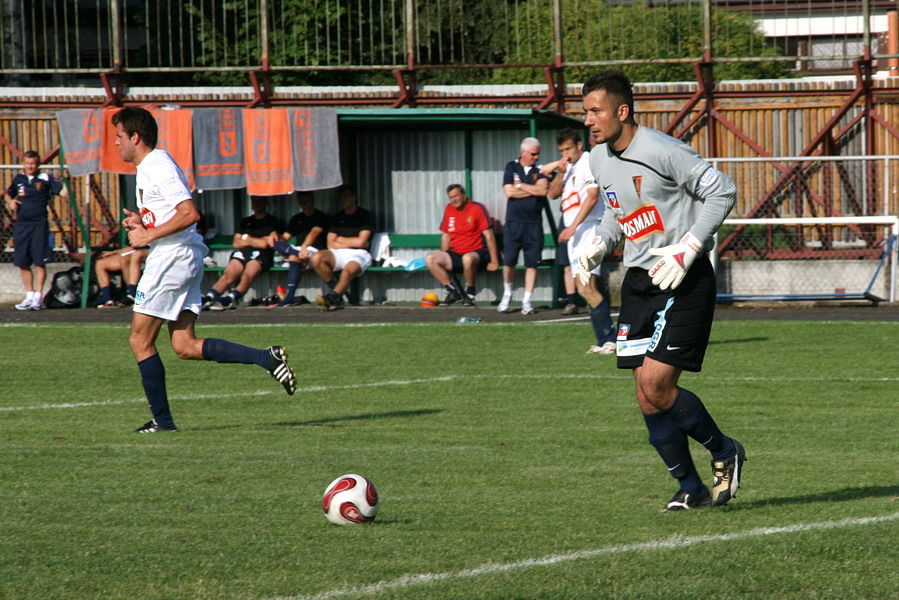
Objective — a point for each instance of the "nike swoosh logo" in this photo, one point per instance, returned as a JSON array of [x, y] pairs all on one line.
[[605, 187], [674, 467], [672, 348]]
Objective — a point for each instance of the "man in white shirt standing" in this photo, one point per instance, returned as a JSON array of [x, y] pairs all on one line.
[[169, 290], [575, 187]]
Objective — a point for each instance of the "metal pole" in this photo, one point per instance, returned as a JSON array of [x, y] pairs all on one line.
[[116, 35], [410, 34], [707, 29], [263, 34], [557, 31], [866, 31], [893, 42]]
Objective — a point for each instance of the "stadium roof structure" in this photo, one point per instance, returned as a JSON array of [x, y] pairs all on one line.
[[454, 118]]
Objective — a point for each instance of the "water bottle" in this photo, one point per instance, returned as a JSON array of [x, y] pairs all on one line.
[[469, 320]]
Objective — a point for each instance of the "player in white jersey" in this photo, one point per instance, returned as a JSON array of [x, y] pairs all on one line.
[[169, 290], [667, 202], [575, 187]]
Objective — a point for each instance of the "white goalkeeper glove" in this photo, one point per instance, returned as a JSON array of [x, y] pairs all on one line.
[[589, 259], [669, 270]]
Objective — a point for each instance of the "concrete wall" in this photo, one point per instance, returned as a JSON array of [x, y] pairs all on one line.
[[773, 277]]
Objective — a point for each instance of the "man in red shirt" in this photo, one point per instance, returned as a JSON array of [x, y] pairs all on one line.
[[466, 243]]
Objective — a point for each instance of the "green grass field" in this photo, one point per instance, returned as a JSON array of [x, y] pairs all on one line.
[[510, 465]]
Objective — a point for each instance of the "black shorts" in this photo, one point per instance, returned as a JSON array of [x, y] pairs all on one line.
[[265, 257], [522, 236], [32, 245], [483, 256], [672, 327]]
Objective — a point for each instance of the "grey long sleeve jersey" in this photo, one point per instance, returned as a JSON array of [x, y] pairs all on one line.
[[656, 191]]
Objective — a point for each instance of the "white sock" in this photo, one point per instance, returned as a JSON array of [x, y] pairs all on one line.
[[507, 289], [29, 295], [527, 298], [36, 298]]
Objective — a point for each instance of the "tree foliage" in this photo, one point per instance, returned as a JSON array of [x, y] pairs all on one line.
[[644, 33], [372, 33]]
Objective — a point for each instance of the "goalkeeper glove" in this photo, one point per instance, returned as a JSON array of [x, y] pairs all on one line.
[[670, 270], [589, 259]]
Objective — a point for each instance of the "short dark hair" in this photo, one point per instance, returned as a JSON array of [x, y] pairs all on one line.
[[568, 134], [31, 154], [139, 121], [615, 84], [455, 186]]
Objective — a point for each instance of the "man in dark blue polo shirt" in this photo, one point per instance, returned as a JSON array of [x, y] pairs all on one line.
[[525, 187], [28, 197]]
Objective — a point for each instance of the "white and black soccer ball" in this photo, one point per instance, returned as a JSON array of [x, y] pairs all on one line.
[[351, 499]]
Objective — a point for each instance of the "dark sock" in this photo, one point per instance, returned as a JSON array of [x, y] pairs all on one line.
[[673, 447], [131, 290], [213, 295], [470, 290], [223, 351], [236, 295], [450, 288], [294, 271], [152, 374], [601, 319], [571, 299], [691, 417], [331, 284], [105, 294]]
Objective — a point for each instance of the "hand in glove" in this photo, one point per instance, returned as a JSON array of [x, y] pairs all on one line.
[[670, 270], [589, 259]]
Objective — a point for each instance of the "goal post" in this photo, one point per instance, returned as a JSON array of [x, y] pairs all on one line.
[[807, 258]]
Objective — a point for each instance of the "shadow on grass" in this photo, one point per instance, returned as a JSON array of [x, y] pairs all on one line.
[[843, 495], [396, 414]]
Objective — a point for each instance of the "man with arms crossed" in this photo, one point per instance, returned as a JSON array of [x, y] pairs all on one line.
[[347, 252], [525, 188], [668, 203], [169, 289]]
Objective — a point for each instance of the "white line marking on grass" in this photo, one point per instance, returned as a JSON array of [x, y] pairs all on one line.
[[428, 380], [673, 542]]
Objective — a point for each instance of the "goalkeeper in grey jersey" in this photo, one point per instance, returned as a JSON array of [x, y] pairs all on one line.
[[667, 202]]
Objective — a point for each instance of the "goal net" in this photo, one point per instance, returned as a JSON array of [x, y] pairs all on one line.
[[827, 258]]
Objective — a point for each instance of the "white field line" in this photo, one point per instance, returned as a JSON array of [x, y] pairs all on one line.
[[673, 542], [445, 378]]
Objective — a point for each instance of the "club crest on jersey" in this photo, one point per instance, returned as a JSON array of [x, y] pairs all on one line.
[[644, 221], [638, 183], [612, 197], [623, 330]]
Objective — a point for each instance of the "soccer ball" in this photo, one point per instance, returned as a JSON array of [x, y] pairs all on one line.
[[350, 499]]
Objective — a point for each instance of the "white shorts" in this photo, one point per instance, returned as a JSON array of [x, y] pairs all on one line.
[[311, 250], [171, 282], [580, 241], [343, 256]]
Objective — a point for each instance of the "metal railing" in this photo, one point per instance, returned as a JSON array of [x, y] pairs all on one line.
[[491, 41]]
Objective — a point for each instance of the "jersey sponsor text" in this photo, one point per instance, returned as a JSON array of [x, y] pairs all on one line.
[[644, 221]]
